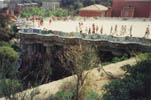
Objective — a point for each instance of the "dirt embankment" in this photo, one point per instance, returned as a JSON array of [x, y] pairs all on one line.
[[96, 79]]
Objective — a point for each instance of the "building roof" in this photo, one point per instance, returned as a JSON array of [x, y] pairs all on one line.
[[27, 4], [95, 7]]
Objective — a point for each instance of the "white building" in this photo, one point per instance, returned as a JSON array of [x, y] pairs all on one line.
[[3, 4], [51, 4], [13, 3]]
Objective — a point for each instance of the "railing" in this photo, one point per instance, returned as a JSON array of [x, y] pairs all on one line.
[[90, 37]]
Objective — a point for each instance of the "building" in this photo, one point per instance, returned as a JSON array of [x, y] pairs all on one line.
[[3, 4], [20, 7], [51, 4], [131, 8], [95, 10], [127, 12], [13, 3], [4, 8]]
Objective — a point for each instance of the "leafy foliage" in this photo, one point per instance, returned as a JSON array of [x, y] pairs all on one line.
[[80, 60], [70, 96], [136, 85], [144, 56], [9, 87], [8, 59], [64, 96], [60, 13], [6, 32], [28, 12], [3, 43], [93, 96], [116, 59]]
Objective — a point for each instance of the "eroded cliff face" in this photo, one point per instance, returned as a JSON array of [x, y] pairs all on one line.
[[46, 66]]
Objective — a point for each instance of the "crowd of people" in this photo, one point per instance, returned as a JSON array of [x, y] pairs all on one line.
[[114, 30]]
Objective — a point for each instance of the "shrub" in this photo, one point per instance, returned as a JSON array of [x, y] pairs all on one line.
[[3, 43], [136, 85], [28, 12], [144, 56], [9, 87], [64, 96], [8, 59], [118, 59], [93, 96]]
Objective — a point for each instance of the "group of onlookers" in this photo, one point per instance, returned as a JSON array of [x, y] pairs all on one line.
[[124, 30], [96, 29]]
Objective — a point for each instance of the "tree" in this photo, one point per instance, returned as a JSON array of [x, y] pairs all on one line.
[[78, 4], [4, 20], [80, 60], [8, 59], [5, 34], [135, 85], [61, 13], [28, 12]]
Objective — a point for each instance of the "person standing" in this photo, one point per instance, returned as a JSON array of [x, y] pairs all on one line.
[[50, 21], [97, 28], [125, 29], [80, 27], [121, 32], [86, 30], [111, 30], [89, 31], [115, 31], [131, 28], [147, 32], [93, 27], [41, 22], [101, 30]]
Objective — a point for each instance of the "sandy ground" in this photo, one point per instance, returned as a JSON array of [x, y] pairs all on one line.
[[138, 26]]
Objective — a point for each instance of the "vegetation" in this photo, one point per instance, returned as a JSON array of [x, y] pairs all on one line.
[[134, 86], [8, 59], [144, 56], [80, 60], [5, 34], [76, 4], [116, 59], [9, 84], [28, 12], [93, 96], [9, 87], [70, 96], [64, 96], [7, 29]]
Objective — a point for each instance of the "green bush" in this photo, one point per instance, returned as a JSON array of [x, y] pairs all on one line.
[[118, 59], [61, 13], [136, 85], [9, 87], [8, 59], [93, 96], [3, 43], [144, 56], [63, 96], [28, 12]]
